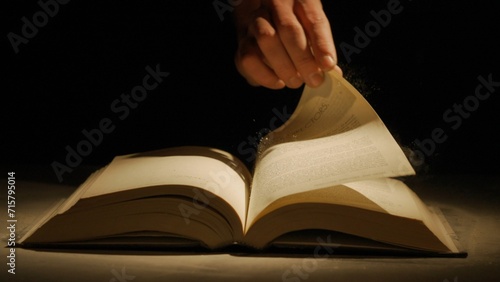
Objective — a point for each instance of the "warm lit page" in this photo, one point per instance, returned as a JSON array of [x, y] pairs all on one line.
[[332, 108], [396, 198], [391, 195], [338, 138], [159, 169]]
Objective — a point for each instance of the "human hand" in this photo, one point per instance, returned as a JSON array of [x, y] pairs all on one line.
[[284, 43]]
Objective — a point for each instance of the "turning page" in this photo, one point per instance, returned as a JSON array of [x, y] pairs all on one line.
[[333, 137]]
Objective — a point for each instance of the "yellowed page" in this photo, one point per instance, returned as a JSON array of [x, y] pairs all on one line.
[[338, 138], [391, 195], [157, 169], [334, 107], [396, 198]]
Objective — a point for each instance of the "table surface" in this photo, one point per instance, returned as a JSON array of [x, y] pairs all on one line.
[[470, 203]]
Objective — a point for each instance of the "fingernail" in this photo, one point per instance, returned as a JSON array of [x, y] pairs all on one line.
[[328, 62], [294, 82], [316, 78], [279, 84]]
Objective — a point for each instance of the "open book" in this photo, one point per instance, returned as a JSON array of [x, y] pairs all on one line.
[[330, 167]]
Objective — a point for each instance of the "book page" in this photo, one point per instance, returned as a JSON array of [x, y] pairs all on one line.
[[396, 198], [333, 137], [210, 169], [319, 113], [390, 194]]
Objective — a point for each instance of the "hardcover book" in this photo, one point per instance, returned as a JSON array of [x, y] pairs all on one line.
[[332, 167]]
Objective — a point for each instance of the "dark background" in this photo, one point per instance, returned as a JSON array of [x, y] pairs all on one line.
[[66, 77]]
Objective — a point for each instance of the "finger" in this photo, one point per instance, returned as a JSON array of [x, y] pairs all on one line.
[[250, 64], [317, 28], [338, 70], [274, 53], [294, 39]]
